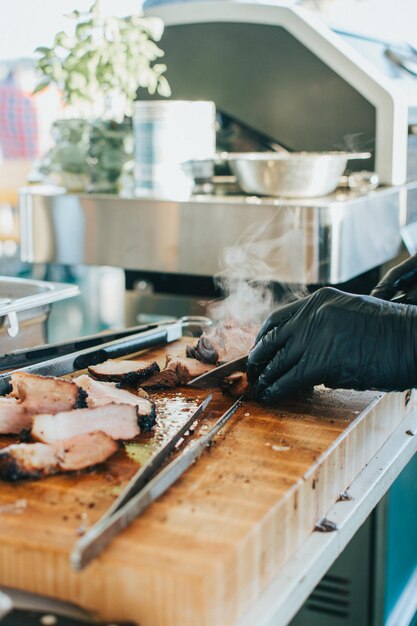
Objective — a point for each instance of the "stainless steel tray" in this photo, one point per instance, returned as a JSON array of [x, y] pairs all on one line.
[[24, 310]]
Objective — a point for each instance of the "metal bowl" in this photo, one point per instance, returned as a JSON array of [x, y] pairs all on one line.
[[290, 174]]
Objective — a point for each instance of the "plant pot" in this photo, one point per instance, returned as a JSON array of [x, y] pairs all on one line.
[[88, 155], [110, 149], [66, 162]]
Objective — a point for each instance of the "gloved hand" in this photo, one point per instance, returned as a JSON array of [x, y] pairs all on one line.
[[400, 279], [338, 339]]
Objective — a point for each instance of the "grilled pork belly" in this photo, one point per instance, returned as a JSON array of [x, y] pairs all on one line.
[[100, 394], [27, 460], [125, 372], [35, 460], [41, 394], [13, 417], [225, 342], [118, 421], [235, 385], [84, 451], [178, 371]]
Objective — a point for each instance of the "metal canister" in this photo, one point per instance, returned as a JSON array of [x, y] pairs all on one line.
[[167, 133]]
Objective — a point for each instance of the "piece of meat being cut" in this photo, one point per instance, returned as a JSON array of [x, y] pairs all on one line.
[[177, 371], [235, 385], [124, 372], [46, 394], [84, 451], [225, 342], [36, 460], [13, 417], [100, 394], [118, 421]]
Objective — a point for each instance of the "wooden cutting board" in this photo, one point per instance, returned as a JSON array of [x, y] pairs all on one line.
[[204, 551]]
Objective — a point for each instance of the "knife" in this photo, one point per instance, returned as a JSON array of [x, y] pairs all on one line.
[[214, 377], [97, 538], [30, 610]]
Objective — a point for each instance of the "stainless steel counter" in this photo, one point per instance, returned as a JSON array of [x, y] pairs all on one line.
[[321, 240]]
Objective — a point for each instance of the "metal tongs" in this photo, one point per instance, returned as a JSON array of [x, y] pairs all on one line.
[[30, 356], [145, 487], [116, 345]]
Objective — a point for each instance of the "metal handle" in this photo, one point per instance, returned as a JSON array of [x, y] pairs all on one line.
[[46, 294]]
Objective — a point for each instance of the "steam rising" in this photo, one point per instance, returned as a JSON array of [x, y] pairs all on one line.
[[251, 265]]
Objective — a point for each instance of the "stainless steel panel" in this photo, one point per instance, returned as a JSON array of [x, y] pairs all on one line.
[[322, 240]]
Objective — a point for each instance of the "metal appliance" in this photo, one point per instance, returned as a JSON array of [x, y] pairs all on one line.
[[286, 77]]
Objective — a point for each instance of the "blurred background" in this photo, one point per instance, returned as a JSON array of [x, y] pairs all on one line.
[[26, 119]]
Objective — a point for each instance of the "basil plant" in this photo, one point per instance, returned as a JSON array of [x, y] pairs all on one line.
[[99, 66]]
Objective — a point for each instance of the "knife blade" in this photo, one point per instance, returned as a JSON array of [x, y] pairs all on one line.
[[214, 377], [95, 540]]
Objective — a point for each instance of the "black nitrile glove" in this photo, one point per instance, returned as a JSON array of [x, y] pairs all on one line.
[[338, 339], [401, 279]]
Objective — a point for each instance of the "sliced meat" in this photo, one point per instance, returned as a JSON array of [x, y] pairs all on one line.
[[41, 394], [13, 417], [125, 372], [236, 384], [165, 379], [118, 421], [100, 394], [84, 451], [187, 368], [35, 460], [27, 460], [178, 371], [227, 341], [204, 351]]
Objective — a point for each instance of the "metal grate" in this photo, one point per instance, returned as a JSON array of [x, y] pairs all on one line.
[[331, 597]]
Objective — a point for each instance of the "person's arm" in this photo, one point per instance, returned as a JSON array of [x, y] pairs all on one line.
[[338, 339]]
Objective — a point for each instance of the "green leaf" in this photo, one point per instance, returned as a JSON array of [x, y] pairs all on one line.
[[107, 59], [43, 50], [42, 85], [73, 15]]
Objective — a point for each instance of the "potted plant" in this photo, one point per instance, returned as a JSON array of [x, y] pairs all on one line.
[[98, 68]]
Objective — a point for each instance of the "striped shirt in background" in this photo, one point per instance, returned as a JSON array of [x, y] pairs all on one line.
[[18, 123]]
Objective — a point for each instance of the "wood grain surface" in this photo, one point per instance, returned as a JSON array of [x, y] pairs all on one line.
[[205, 550]]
